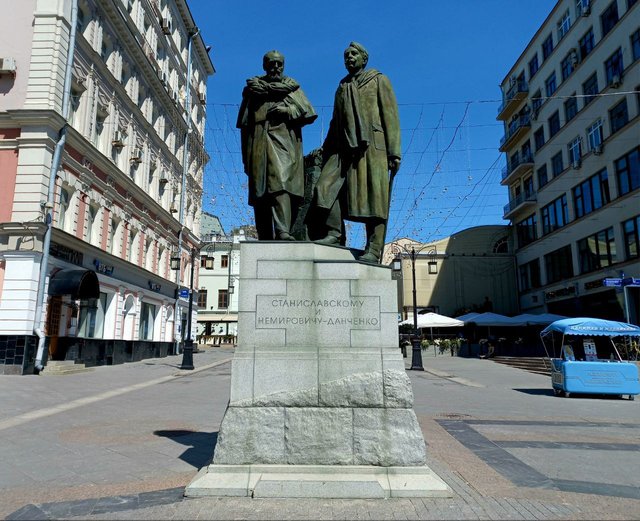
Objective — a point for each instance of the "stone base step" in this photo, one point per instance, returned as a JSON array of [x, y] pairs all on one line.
[[60, 367], [535, 365], [317, 481]]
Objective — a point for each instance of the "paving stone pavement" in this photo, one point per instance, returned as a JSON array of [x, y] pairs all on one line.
[[121, 442]]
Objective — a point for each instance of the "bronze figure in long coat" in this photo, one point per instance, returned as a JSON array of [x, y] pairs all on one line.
[[272, 113], [360, 153]]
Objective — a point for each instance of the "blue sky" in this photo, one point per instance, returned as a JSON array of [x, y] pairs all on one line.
[[445, 60]]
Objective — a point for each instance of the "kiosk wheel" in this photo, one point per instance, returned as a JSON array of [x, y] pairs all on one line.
[[632, 397]]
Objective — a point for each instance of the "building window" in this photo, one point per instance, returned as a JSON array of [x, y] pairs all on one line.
[[587, 43], [630, 229], [91, 235], [63, 209], [224, 261], [91, 317], [591, 194], [635, 45], [582, 7], [538, 138], [533, 66], [555, 215], [202, 299], [147, 317], [223, 299], [536, 102], [609, 18], [564, 25], [542, 176], [590, 89], [628, 171], [550, 84], [631, 3], [575, 151], [619, 116], [526, 230], [131, 245], [613, 67], [554, 124], [557, 165], [566, 66], [558, 264], [597, 251], [530, 275], [594, 135], [528, 186], [547, 47], [570, 108]]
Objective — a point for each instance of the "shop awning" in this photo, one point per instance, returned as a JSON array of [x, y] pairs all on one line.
[[80, 284]]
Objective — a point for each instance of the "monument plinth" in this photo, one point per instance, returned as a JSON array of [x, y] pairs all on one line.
[[320, 401]]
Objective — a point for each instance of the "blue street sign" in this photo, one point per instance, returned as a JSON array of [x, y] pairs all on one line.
[[612, 282], [628, 281], [184, 293]]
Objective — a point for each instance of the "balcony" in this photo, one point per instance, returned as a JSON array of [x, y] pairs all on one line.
[[521, 202], [517, 128], [517, 167], [517, 92]]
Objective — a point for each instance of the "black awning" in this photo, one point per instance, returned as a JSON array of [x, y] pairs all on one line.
[[80, 284]]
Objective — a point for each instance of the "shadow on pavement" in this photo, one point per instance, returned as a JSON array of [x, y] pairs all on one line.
[[200, 445], [536, 391]]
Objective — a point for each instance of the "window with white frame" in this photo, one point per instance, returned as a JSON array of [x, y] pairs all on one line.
[[93, 225], [564, 24], [63, 209], [594, 135], [131, 245], [575, 150], [582, 7]]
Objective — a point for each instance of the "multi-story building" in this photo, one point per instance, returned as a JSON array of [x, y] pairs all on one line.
[[218, 284], [85, 251], [572, 142]]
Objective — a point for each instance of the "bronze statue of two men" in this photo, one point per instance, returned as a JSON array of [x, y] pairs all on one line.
[[359, 157]]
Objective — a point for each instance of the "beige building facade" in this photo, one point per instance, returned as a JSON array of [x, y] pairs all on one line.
[[122, 204], [572, 144], [471, 270]]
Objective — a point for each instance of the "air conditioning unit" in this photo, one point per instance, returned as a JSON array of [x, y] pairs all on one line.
[[164, 78], [576, 164], [173, 209], [597, 150], [7, 66], [616, 81], [117, 139], [136, 155], [165, 24], [164, 178], [202, 97], [586, 8], [175, 97]]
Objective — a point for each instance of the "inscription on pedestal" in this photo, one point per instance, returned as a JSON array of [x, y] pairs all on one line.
[[320, 308]]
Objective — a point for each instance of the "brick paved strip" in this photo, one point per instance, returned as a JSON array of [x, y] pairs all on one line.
[[80, 402], [509, 466]]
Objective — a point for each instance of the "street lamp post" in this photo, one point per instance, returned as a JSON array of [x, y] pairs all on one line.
[[416, 351], [187, 351]]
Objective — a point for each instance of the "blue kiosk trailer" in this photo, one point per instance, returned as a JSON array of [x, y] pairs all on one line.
[[589, 361]]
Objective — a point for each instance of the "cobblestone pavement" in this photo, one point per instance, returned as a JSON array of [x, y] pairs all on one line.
[[121, 442]]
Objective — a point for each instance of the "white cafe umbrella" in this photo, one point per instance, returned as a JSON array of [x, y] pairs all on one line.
[[432, 320]]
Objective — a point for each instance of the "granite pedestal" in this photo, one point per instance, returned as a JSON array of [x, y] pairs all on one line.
[[320, 403]]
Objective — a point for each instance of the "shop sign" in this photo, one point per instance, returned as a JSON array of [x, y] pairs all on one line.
[[593, 284], [105, 269], [154, 286], [563, 292], [612, 282], [66, 254], [630, 281]]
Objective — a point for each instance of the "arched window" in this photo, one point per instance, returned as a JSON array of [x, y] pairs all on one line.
[[501, 245]]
